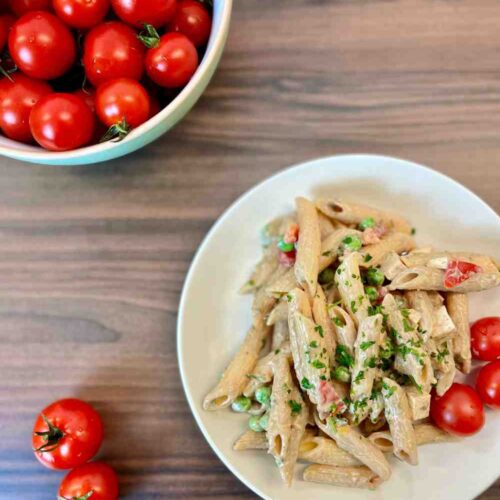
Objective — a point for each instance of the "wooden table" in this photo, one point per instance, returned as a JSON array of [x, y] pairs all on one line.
[[92, 259]]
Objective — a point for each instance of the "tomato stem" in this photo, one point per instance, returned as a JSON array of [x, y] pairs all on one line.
[[52, 436], [82, 497], [149, 36], [116, 132]]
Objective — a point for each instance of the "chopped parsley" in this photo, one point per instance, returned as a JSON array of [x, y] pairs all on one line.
[[318, 364], [313, 344], [414, 382], [370, 362], [251, 283], [389, 389], [354, 308], [441, 355], [407, 326], [365, 345], [359, 377], [277, 351], [368, 258], [288, 297], [327, 253], [254, 377], [319, 329], [413, 230], [373, 310], [294, 406], [338, 321], [305, 384], [287, 388], [343, 357]]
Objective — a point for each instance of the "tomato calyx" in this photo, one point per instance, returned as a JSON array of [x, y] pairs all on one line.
[[117, 132], [52, 436], [82, 497], [149, 36]]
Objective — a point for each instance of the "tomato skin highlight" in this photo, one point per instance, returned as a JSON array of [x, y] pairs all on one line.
[[61, 122], [459, 411], [41, 45], [21, 7], [97, 477], [122, 99], [173, 62], [81, 14], [111, 50], [488, 384], [485, 338], [140, 12], [193, 20]]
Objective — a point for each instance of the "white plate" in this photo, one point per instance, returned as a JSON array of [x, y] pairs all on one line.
[[213, 318]]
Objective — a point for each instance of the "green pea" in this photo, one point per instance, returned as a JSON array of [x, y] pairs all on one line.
[[285, 247], [264, 421], [254, 423], [342, 373], [374, 276], [371, 293], [326, 276], [352, 243], [366, 223], [241, 404], [263, 395]]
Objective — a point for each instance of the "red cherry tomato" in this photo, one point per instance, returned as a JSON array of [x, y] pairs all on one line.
[[67, 434], [60, 122], [17, 98], [88, 96], [122, 104], [141, 12], [459, 271], [41, 45], [193, 20], [458, 411], [21, 7], [95, 477], [6, 22], [81, 14], [112, 50], [173, 61], [488, 384], [485, 338]]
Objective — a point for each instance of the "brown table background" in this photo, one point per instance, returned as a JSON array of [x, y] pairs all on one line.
[[92, 259]]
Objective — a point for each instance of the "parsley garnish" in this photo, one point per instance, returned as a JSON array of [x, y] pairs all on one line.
[[288, 297], [413, 230], [368, 258], [365, 345], [389, 390], [319, 329], [338, 321], [251, 283], [294, 406], [354, 309], [343, 357], [313, 344], [306, 384], [318, 364], [359, 377], [407, 326], [370, 362], [277, 351], [327, 253]]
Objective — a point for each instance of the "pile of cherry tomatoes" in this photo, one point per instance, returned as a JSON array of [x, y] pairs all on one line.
[[459, 410], [76, 72], [66, 435]]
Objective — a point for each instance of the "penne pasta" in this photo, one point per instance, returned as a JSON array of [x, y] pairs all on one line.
[[392, 265], [440, 260], [421, 302], [263, 270], [458, 308], [343, 326], [308, 247], [326, 226], [234, 378], [281, 285], [251, 440], [353, 477], [280, 334], [331, 246], [398, 415], [353, 213], [393, 242], [419, 403], [278, 313], [321, 318], [323, 450]]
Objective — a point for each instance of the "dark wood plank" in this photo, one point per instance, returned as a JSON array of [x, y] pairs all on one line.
[[93, 259]]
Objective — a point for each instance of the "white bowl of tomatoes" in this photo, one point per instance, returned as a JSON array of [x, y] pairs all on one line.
[[85, 81]]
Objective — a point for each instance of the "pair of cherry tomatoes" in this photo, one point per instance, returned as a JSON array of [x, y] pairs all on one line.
[[66, 435], [460, 410], [126, 60]]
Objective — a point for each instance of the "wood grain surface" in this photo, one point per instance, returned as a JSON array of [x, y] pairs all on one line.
[[92, 259]]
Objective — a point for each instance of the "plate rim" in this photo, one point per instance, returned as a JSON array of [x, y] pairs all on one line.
[[219, 221]]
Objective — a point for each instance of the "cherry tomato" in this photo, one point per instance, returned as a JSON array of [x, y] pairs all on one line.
[[141, 12], [488, 384], [193, 20], [459, 271], [81, 14], [172, 61], [17, 98], [41, 46], [112, 50], [96, 477], [6, 22], [21, 7], [122, 104], [88, 96], [485, 338], [458, 411], [60, 122]]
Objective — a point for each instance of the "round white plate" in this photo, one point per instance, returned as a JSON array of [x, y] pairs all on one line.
[[213, 318]]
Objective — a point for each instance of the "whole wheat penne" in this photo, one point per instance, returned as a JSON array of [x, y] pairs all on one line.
[[393, 242], [326, 226], [458, 309], [354, 213], [323, 450], [263, 270], [251, 440], [430, 278], [280, 334], [343, 326], [391, 265], [398, 415], [331, 246], [264, 302], [281, 285], [443, 324], [440, 260], [278, 313], [234, 378], [351, 440], [353, 477], [419, 403], [308, 247], [322, 319], [420, 301]]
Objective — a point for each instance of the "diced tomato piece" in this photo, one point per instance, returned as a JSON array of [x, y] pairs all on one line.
[[292, 234], [287, 258], [328, 396], [458, 271]]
